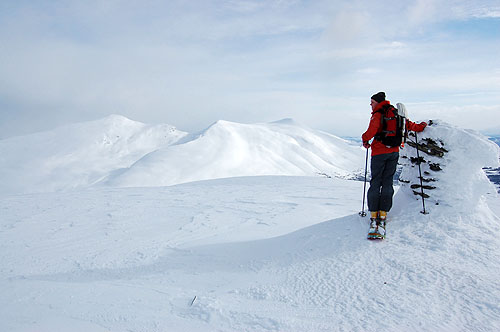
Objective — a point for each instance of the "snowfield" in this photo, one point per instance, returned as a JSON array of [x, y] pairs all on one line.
[[118, 152], [252, 253]]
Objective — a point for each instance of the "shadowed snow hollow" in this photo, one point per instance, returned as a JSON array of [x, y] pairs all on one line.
[[227, 149]]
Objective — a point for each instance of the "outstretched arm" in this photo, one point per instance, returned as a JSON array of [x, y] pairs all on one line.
[[418, 127]]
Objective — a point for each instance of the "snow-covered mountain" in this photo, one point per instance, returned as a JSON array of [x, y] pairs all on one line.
[[228, 149], [119, 152], [258, 253], [78, 155]]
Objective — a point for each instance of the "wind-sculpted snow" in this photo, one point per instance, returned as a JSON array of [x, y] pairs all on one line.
[[243, 254], [452, 161]]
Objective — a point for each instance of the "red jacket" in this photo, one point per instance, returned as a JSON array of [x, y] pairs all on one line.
[[376, 126]]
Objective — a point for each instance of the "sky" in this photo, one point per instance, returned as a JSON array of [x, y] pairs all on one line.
[[190, 63]]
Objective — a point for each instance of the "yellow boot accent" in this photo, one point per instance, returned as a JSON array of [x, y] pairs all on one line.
[[382, 215], [374, 214]]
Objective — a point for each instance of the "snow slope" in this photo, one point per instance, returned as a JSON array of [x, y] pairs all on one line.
[[228, 149], [452, 165], [78, 155], [268, 253], [119, 152], [244, 254]]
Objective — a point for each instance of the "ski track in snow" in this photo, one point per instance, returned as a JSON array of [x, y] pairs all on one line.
[[259, 254]]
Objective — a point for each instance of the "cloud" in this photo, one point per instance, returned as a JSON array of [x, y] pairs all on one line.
[[191, 63], [348, 26], [369, 71], [470, 116], [489, 13], [422, 12]]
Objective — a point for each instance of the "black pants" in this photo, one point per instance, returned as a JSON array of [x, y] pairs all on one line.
[[383, 167]]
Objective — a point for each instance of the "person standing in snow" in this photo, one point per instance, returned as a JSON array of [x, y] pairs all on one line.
[[384, 159]]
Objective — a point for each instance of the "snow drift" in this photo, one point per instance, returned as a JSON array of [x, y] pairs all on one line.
[[451, 161]]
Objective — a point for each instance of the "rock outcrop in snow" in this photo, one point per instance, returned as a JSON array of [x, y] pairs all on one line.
[[451, 161]]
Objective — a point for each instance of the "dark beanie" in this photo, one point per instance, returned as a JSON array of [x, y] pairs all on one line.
[[379, 97]]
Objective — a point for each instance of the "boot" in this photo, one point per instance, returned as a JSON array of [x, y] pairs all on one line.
[[373, 222], [382, 215], [381, 222]]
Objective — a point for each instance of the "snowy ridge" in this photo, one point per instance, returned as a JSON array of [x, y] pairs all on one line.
[[258, 253], [119, 152], [228, 149], [78, 155], [452, 162]]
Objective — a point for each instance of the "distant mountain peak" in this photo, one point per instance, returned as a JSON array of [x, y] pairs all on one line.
[[287, 121], [116, 117]]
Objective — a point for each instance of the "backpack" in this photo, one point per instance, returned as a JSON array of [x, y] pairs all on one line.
[[393, 122]]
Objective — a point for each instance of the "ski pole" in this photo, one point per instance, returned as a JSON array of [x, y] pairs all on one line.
[[420, 173], [363, 213]]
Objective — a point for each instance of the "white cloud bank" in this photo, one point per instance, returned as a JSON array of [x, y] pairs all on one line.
[[190, 64]]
